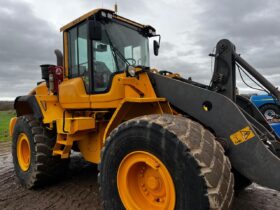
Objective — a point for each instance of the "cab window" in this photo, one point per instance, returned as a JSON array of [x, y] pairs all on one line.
[[104, 65], [78, 53]]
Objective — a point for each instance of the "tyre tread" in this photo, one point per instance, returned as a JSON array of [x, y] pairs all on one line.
[[46, 167], [200, 143]]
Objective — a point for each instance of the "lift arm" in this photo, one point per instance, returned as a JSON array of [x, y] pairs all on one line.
[[250, 69], [235, 121], [224, 77], [248, 154]]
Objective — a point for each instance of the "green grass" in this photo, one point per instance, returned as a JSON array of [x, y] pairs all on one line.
[[5, 117]]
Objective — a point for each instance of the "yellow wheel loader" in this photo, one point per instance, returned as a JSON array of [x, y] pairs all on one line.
[[160, 141]]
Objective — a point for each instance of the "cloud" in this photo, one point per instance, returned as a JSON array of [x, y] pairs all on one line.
[[26, 42], [252, 26]]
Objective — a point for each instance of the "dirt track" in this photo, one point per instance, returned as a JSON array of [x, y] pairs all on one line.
[[79, 190]]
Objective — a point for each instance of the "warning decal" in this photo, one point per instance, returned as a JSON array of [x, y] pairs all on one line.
[[242, 135]]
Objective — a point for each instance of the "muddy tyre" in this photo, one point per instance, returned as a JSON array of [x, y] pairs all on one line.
[[32, 147], [164, 162]]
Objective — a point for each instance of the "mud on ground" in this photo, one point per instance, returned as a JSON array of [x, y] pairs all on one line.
[[79, 190]]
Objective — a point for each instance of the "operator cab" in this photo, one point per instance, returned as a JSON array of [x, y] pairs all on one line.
[[101, 44]]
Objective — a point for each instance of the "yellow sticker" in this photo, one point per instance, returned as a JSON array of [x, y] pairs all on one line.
[[242, 135]]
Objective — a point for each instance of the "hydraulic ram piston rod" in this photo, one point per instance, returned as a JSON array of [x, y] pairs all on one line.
[[260, 78]]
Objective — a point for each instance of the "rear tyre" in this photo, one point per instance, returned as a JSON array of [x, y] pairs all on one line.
[[269, 109], [164, 162], [32, 153]]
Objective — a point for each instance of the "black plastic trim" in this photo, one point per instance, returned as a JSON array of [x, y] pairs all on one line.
[[26, 105]]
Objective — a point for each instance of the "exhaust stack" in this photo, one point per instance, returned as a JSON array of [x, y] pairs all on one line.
[[59, 57]]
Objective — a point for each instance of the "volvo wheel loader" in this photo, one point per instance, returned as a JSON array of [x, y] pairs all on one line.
[[160, 141]]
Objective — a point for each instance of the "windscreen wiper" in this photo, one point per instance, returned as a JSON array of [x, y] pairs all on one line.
[[117, 52]]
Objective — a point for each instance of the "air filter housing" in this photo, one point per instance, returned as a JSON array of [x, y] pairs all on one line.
[[45, 71]]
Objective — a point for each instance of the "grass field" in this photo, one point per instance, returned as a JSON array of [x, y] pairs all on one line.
[[5, 117]]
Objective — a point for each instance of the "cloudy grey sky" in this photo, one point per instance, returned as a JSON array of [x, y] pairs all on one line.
[[190, 30]]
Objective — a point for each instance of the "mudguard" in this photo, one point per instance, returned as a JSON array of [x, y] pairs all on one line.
[[260, 100], [25, 105]]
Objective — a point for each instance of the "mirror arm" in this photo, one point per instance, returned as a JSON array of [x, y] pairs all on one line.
[[159, 38]]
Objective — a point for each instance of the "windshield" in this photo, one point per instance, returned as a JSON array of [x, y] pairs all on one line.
[[130, 43], [119, 47], [123, 46]]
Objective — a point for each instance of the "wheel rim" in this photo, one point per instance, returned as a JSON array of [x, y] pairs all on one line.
[[23, 152], [145, 183], [269, 114]]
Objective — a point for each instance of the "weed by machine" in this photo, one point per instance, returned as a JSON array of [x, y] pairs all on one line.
[[160, 141]]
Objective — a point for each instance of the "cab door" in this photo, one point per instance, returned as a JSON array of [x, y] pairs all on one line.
[[74, 92], [107, 89]]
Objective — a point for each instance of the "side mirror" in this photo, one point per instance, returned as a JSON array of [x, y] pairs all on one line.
[[156, 47], [94, 30]]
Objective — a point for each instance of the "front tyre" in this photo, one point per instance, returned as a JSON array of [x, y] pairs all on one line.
[[164, 162]]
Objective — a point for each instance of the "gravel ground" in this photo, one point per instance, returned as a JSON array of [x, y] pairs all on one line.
[[79, 190]]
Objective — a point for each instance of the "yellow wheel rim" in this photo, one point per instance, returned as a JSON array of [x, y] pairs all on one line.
[[23, 152], [145, 183]]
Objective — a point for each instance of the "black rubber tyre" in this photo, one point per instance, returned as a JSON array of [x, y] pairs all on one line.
[[271, 107], [196, 162], [44, 168]]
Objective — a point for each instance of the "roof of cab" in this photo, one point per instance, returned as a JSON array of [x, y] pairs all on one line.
[[89, 14]]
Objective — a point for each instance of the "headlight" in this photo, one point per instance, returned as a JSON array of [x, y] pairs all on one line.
[[103, 14], [131, 71], [110, 15]]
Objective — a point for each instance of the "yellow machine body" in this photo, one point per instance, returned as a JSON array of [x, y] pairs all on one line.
[[128, 98], [87, 119]]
